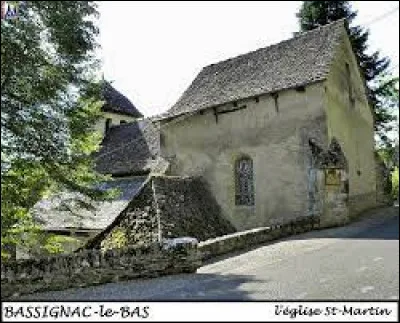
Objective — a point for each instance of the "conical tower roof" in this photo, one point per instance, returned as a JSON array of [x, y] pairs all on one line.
[[116, 102]]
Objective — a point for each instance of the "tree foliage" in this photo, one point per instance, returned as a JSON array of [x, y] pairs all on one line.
[[374, 68], [49, 102]]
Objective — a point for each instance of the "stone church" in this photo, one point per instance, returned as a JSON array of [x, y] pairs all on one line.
[[262, 138]]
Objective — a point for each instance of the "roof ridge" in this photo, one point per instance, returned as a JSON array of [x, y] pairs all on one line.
[[298, 35]]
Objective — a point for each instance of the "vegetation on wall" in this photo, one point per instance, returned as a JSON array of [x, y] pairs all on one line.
[[387, 156], [395, 183], [116, 239]]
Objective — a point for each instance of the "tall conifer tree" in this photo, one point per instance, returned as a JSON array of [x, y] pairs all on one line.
[[373, 66]]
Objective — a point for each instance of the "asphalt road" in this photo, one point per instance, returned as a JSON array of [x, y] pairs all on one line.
[[356, 262]]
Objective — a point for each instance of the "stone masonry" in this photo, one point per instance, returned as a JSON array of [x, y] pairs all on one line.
[[167, 207]]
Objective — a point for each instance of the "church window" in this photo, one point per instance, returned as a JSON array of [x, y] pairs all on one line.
[[244, 182]]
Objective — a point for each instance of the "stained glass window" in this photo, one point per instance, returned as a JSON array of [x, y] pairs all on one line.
[[244, 182]]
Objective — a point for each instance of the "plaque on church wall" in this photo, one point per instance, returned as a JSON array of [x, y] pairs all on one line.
[[332, 176]]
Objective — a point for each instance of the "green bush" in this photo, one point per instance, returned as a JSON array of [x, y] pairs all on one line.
[[395, 183]]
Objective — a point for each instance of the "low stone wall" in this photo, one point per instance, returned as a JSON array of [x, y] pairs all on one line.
[[242, 240], [92, 267]]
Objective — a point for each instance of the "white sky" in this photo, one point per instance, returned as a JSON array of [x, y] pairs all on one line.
[[153, 50]]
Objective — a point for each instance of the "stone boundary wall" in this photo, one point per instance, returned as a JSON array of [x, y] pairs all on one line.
[[244, 239], [174, 256], [93, 267]]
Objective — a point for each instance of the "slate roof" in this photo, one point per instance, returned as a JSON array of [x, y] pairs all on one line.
[[298, 61], [53, 214], [116, 102], [129, 148]]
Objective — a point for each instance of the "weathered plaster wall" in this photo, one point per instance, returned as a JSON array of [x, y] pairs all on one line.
[[273, 132], [352, 125]]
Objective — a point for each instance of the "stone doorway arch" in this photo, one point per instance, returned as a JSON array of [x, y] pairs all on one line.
[[328, 184]]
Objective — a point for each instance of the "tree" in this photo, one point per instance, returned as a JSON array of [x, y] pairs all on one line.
[[387, 94], [374, 68], [49, 102]]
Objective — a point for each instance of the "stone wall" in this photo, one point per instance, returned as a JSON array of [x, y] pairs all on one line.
[[136, 225], [330, 195], [245, 239], [167, 207], [187, 208], [173, 256], [92, 267]]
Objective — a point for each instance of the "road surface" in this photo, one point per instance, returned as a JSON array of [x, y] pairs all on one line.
[[359, 261]]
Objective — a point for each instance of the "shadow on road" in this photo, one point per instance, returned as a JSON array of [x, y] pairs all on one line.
[[212, 287], [378, 224], [388, 230], [176, 288]]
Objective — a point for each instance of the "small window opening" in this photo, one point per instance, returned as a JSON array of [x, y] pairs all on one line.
[[108, 124]]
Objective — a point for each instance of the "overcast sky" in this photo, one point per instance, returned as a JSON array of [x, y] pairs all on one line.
[[153, 50]]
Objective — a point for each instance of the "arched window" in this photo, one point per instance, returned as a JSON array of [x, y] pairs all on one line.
[[244, 182]]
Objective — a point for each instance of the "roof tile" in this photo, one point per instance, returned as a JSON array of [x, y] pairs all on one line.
[[298, 61], [116, 102], [129, 148]]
